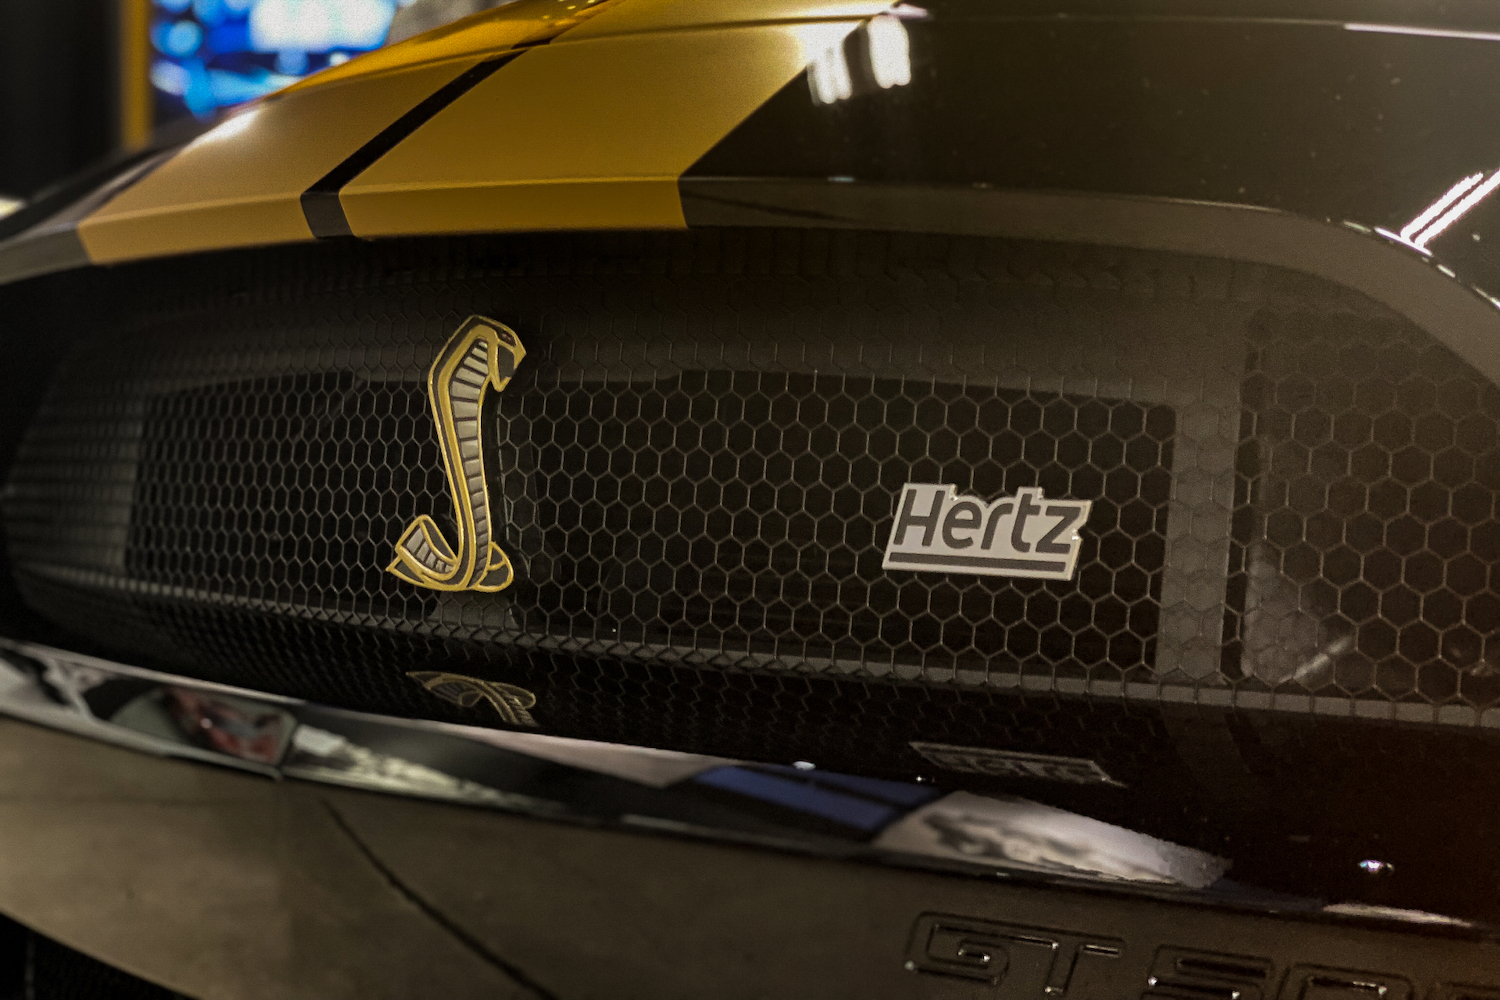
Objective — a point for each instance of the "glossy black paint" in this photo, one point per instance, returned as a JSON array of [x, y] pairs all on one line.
[[1083, 868], [394, 898], [1304, 117]]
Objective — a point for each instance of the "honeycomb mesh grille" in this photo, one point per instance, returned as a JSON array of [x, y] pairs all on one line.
[[744, 512], [1366, 533], [694, 471], [280, 490]]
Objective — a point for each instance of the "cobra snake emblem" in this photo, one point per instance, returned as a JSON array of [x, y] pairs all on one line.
[[482, 355]]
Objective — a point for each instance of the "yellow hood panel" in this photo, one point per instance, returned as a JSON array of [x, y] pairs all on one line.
[[601, 109], [581, 136], [241, 183]]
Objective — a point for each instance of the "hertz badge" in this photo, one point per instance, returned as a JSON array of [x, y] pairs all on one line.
[[1024, 535], [482, 355], [513, 703]]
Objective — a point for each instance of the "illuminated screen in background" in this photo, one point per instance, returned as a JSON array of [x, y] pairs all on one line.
[[209, 54]]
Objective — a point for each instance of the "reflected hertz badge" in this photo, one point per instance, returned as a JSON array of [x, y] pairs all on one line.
[[1025, 535], [481, 356]]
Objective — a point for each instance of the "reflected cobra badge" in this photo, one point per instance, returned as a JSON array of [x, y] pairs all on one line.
[[482, 355], [513, 703]]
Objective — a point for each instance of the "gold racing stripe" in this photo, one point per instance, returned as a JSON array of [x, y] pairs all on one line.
[[241, 184], [585, 135], [591, 133]]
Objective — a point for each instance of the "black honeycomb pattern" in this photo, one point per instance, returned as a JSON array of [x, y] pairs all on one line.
[[1367, 545], [745, 512], [284, 490], [694, 472]]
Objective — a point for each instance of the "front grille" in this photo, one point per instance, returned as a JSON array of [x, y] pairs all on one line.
[[695, 468]]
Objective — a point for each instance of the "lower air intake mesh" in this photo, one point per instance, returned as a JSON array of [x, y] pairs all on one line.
[[695, 468]]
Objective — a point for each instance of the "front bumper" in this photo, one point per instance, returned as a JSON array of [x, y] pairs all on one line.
[[504, 871]]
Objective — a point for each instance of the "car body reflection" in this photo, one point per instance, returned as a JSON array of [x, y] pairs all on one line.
[[799, 807]]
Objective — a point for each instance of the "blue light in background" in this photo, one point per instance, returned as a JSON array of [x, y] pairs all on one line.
[[180, 39], [212, 54], [209, 12]]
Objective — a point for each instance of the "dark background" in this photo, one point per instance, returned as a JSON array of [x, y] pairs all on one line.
[[57, 89]]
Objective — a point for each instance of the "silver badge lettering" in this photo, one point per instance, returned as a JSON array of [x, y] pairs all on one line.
[[1026, 535]]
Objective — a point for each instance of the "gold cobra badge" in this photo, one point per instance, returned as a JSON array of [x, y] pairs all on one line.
[[482, 355]]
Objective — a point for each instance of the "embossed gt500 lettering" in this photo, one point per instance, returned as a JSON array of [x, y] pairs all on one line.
[[1027, 962]]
